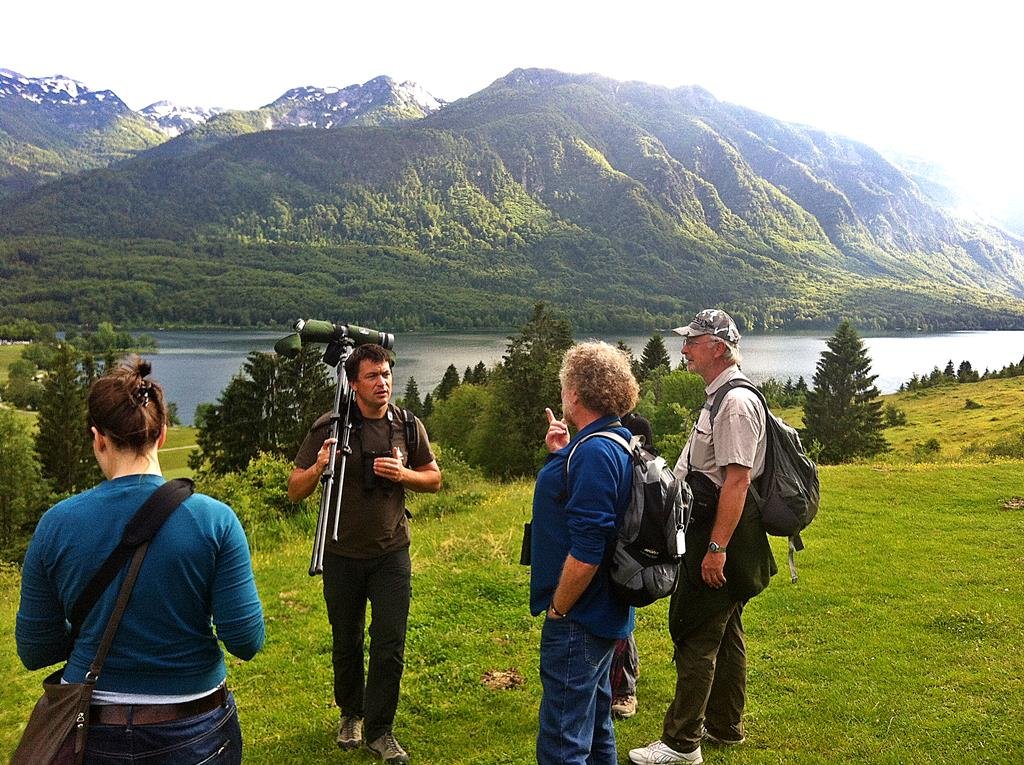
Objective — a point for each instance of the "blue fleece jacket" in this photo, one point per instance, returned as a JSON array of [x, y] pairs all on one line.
[[196, 577], [579, 516]]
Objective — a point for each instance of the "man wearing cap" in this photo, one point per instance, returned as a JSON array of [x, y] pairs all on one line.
[[728, 559]]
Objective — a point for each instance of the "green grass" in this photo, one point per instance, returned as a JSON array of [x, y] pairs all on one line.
[[942, 413], [180, 443], [8, 355], [899, 644]]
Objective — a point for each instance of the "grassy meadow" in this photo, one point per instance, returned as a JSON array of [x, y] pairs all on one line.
[[900, 643], [8, 355]]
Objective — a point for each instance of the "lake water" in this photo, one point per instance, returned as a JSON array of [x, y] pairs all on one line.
[[194, 367]]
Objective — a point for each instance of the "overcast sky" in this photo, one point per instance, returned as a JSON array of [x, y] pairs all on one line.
[[939, 80]]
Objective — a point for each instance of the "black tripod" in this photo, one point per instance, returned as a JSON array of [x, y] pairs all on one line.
[[335, 355]]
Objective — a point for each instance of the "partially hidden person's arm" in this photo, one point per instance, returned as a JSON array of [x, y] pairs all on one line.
[[237, 612]]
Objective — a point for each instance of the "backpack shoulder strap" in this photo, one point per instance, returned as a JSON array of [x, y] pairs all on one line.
[[627, 445], [142, 527], [412, 433], [716, 402]]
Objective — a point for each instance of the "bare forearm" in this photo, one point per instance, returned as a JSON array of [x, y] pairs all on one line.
[[730, 507], [576, 577], [426, 478], [303, 482]]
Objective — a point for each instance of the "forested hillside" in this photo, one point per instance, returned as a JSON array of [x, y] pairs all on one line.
[[627, 205]]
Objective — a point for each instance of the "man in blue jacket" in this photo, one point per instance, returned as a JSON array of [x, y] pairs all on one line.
[[576, 507]]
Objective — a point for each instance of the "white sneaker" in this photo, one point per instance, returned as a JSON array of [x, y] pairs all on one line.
[[660, 753]]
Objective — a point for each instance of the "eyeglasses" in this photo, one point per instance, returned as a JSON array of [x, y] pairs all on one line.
[[692, 341]]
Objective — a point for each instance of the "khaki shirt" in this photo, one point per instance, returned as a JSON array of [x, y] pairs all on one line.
[[738, 436]]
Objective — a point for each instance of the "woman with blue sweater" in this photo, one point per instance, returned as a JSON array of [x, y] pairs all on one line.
[[161, 695], [576, 509]]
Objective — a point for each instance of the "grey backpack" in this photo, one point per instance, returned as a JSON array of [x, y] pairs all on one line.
[[643, 565]]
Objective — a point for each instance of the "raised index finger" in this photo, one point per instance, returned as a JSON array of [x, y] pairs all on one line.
[[550, 414]]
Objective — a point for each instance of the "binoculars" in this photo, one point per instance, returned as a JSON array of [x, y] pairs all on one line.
[[315, 331]]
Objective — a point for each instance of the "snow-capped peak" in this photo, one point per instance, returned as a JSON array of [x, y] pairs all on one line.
[[171, 119]]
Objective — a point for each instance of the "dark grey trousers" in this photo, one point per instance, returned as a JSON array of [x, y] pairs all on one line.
[[711, 682], [384, 582]]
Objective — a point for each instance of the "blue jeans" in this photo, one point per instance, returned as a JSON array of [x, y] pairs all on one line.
[[576, 704], [212, 738]]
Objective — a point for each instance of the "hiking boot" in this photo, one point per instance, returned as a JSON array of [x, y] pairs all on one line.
[[624, 706], [388, 749], [660, 753], [711, 738], [350, 732]]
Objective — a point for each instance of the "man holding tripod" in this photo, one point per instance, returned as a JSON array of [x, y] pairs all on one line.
[[370, 559]]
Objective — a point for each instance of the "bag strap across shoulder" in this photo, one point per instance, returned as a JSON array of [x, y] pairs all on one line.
[[142, 527]]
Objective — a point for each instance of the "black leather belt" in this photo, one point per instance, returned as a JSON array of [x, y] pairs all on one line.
[[151, 714]]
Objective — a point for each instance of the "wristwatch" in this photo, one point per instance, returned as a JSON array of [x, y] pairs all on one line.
[[715, 547]]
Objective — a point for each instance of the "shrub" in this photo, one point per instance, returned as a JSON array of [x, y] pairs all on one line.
[[457, 493], [971, 404], [259, 497], [927, 451], [893, 416], [1009, 446]]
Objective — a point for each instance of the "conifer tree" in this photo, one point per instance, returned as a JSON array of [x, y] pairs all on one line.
[[23, 491], [634, 365], [842, 412], [267, 407], [411, 398], [479, 373], [966, 373], [525, 383], [654, 355], [449, 382], [63, 441]]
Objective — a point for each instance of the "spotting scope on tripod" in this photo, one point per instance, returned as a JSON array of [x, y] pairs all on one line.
[[340, 340]]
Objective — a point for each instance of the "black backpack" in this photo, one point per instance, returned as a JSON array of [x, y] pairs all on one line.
[[787, 493], [643, 565]]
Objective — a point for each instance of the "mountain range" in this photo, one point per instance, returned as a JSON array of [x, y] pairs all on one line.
[[625, 204]]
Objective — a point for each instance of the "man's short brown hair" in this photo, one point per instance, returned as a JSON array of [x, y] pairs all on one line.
[[366, 352]]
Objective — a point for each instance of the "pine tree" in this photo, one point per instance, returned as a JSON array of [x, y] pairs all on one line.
[[411, 399], [966, 373], [634, 365], [842, 412], [23, 491], [479, 373], [268, 407], [63, 440], [449, 382], [654, 355], [428, 406], [525, 383]]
